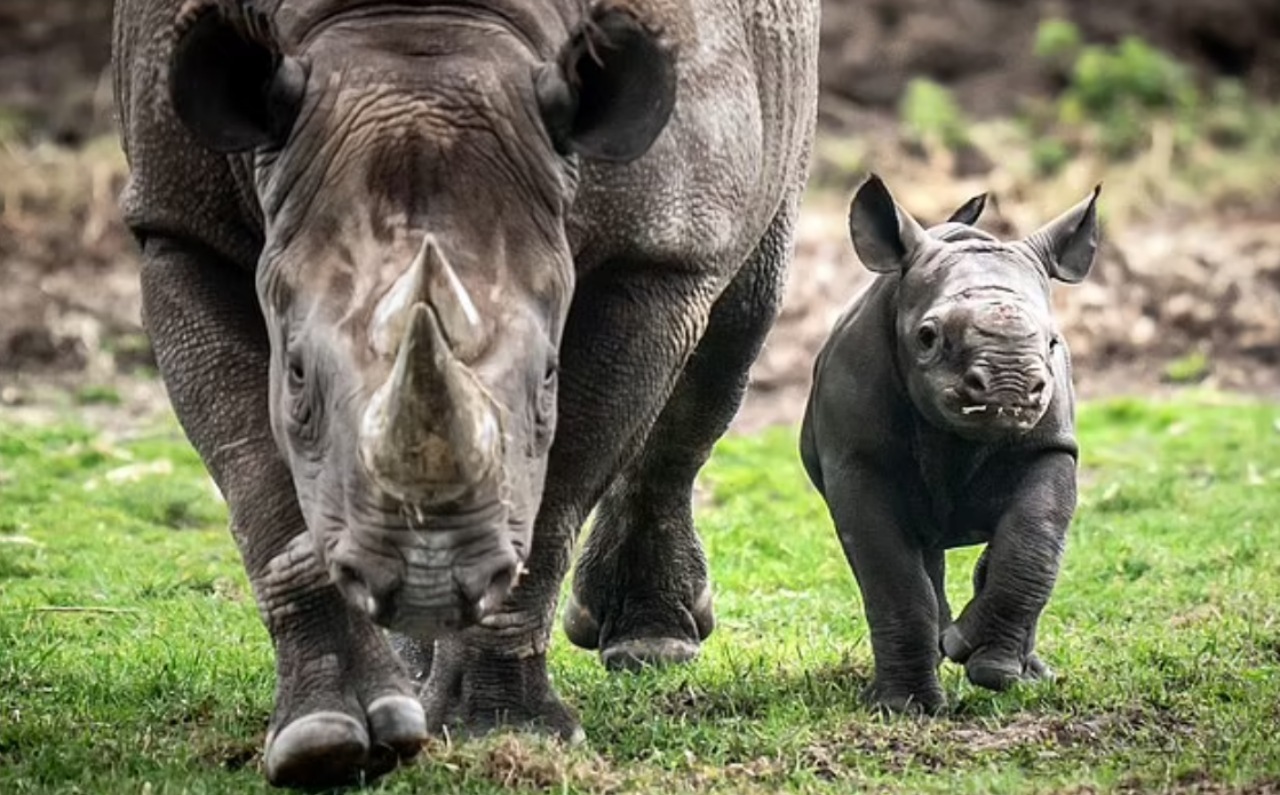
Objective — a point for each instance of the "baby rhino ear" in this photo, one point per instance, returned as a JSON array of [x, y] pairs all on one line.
[[884, 235], [1066, 245], [969, 212]]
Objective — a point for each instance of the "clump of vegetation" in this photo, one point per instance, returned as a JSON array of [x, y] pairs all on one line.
[[132, 658], [1122, 98], [932, 116]]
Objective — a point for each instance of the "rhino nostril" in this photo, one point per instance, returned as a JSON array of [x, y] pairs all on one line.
[[357, 591], [487, 585], [976, 383], [1037, 390]]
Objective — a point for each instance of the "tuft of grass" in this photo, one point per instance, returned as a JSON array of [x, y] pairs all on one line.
[[155, 674], [1188, 369], [932, 116]]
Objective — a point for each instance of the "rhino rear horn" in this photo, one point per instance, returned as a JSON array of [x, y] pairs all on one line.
[[230, 83], [884, 235], [431, 279]]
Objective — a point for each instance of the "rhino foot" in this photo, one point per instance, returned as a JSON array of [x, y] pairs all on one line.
[[926, 699], [992, 667], [328, 747], [471, 692], [650, 642]]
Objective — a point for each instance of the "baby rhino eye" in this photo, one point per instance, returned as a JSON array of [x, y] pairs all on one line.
[[927, 336]]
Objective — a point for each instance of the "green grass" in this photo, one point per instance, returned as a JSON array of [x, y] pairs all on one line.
[[1163, 627]]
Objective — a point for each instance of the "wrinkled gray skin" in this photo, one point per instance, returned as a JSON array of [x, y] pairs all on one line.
[[942, 415], [429, 281]]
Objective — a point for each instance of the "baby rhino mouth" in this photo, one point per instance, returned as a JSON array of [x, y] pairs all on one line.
[[1019, 414]]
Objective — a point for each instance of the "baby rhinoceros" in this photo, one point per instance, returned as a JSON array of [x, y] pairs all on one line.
[[942, 415]]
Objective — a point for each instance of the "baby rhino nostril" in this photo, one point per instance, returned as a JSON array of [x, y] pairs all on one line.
[[1037, 389], [975, 382]]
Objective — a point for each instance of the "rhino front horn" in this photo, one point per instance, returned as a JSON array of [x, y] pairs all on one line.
[[431, 431]]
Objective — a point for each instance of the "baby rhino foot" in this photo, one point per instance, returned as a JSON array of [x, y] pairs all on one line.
[[927, 699], [993, 667], [652, 638]]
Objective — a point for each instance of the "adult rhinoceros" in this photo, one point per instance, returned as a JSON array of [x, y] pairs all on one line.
[[427, 282]]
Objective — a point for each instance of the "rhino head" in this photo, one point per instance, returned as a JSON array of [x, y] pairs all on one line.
[[414, 169], [977, 345]]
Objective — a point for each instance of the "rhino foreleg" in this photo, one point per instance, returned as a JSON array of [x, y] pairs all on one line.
[[340, 692], [898, 593], [994, 637], [630, 330], [641, 593]]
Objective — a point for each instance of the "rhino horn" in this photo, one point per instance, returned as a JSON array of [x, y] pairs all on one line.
[[431, 431], [432, 279]]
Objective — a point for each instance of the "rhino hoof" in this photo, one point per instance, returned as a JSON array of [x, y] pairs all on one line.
[[1035, 670], [638, 653], [993, 673], [582, 630], [398, 722], [927, 702], [955, 646], [317, 750]]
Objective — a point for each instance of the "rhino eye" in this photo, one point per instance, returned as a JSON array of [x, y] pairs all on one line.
[[546, 408], [927, 337], [296, 373]]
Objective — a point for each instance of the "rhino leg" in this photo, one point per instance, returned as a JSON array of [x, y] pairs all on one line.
[[343, 706], [641, 593], [935, 563], [629, 331], [994, 637], [872, 518]]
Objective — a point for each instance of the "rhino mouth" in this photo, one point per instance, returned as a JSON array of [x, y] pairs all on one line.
[[426, 574], [1010, 416]]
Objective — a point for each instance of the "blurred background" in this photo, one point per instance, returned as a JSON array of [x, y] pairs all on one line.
[[1174, 105]]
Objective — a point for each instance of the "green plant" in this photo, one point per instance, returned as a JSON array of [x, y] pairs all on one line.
[[1187, 370], [932, 115], [132, 658], [1120, 90]]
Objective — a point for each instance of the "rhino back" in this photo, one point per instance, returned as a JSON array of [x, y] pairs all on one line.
[[737, 144]]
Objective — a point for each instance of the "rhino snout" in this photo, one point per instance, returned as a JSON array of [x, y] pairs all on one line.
[[982, 385], [426, 600]]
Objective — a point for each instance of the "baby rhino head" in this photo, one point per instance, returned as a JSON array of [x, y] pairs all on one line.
[[976, 341]]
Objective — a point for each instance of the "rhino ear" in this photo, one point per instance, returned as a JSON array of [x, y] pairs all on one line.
[[969, 212], [1067, 244], [612, 89], [229, 83], [884, 235]]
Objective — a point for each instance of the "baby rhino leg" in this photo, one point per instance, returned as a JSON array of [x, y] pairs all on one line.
[[994, 637]]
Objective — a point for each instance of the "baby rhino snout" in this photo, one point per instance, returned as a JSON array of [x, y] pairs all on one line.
[[1018, 387]]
